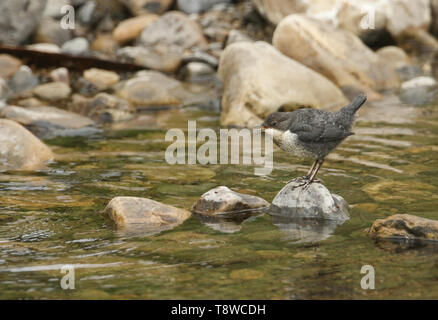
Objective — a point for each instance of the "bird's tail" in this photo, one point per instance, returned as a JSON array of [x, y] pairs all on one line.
[[354, 105]]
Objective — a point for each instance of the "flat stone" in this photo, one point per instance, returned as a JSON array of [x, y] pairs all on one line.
[[222, 200], [20, 149], [404, 227], [151, 215], [45, 47], [52, 91], [259, 80], [316, 202], [101, 79], [131, 28], [47, 122]]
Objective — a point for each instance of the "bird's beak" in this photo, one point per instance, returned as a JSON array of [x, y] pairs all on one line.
[[260, 127]]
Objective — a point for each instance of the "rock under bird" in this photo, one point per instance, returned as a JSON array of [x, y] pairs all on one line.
[[312, 133]]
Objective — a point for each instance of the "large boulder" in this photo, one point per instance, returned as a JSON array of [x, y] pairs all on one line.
[[222, 200], [315, 201], [404, 227], [20, 149], [19, 19], [150, 215], [339, 55], [259, 80], [362, 17]]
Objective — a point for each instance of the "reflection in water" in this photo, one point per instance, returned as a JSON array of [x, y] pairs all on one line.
[[301, 230], [229, 223]]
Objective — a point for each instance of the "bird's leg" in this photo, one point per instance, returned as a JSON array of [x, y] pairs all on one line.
[[308, 175], [312, 177]]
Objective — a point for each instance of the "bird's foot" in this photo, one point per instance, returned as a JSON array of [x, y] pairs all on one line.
[[304, 179]]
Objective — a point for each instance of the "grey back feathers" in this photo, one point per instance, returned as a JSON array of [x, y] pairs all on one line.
[[317, 126]]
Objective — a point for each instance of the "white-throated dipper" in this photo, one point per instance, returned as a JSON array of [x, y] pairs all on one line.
[[312, 133]]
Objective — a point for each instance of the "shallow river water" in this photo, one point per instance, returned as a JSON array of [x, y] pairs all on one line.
[[52, 218]]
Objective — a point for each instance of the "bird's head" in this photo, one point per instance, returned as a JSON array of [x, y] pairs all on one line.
[[277, 120]]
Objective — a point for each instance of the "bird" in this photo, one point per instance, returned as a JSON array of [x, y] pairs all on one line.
[[312, 133]]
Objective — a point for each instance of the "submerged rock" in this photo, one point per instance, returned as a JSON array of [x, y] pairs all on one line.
[[20, 149], [152, 216], [222, 200], [404, 227], [316, 201], [301, 230], [259, 80]]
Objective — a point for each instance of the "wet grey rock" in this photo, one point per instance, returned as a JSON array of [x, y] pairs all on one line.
[[404, 227], [302, 230], [419, 91], [78, 47], [150, 215], [315, 202], [197, 6], [222, 200], [48, 122], [19, 19], [23, 80]]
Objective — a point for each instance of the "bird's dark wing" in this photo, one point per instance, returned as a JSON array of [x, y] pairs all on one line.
[[311, 126]]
